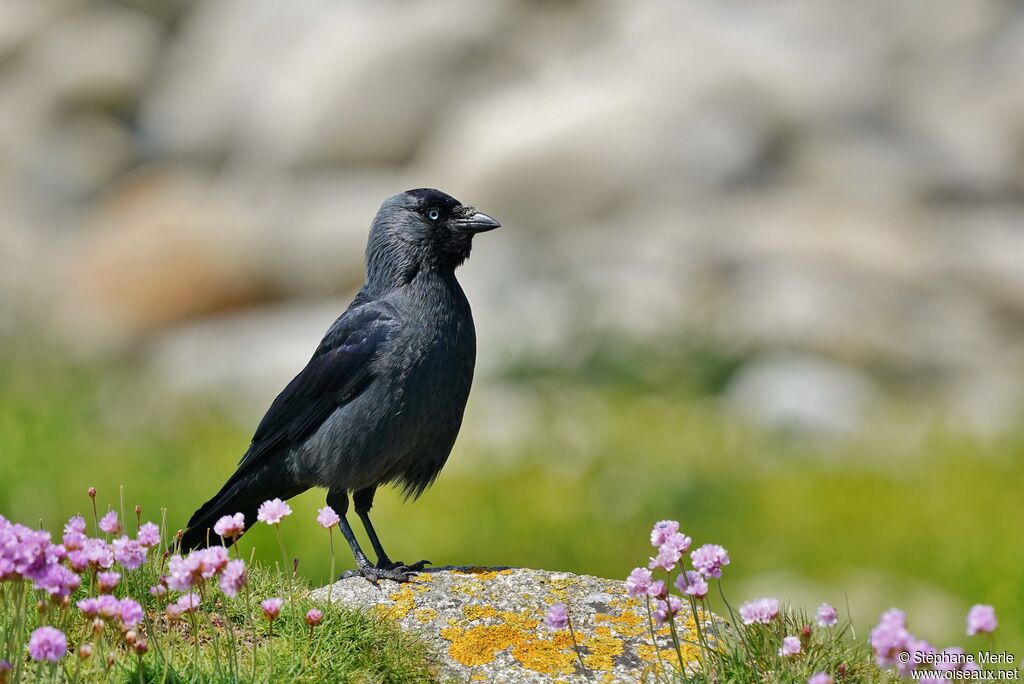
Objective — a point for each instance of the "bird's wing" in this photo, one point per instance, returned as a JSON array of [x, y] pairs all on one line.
[[340, 369]]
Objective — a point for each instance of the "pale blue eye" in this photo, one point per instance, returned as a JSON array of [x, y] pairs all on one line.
[[433, 214]]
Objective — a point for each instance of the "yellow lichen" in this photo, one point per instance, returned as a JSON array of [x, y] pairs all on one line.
[[523, 620], [478, 645], [468, 588], [425, 614], [480, 573], [602, 648], [558, 590], [547, 656], [478, 612], [403, 601], [626, 624]]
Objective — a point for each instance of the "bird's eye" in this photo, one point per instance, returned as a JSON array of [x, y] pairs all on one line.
[[434, 214]]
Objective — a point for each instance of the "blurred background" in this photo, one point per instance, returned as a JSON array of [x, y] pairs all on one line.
[[761, 270]]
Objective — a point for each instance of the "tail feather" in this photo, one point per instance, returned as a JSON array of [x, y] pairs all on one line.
[[243, 493]]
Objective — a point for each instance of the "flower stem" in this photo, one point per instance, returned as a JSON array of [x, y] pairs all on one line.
[[575, 644]]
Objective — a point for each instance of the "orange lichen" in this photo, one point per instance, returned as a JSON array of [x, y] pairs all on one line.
[[478, 645], [602, 648], [547, 656]]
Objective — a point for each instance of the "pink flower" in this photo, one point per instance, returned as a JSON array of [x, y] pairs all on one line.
[[827, 615], [211, 560], [657, 589], [78, 561], [110, 524], [90, 607], [271, 608], [557, 617], [183, 572], [663, 529], [128, 553], [58, 581], [692, 584], [314, 617], [709, 560], [148, 536], [158, 589], [97, 553], [108, 606], [131, 612], [677, 542], [74, 533], [759, 611], [233, 578], [173, 612], [790, 646], [890, 638], [188, 603], [981, 619], [667, 609], [638, 582], [75, 523], [47, 643], [821, 678], [666, 559], [327, 517], [230, 526], [107, 581], [273, 511]]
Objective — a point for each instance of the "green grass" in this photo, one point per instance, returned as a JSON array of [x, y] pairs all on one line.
[[924, 520], [348, 646]]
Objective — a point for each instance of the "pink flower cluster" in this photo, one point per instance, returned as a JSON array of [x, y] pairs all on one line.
[[707, 562], [126, 610], [192, 571], [895, 646]]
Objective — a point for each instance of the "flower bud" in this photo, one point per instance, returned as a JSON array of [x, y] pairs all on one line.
[[92, 492], [130, 636], [85, 651], [141, 647]]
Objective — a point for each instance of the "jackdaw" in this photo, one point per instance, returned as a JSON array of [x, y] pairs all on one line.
[[382, 399]]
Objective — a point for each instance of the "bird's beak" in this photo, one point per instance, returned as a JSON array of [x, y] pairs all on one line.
[[477, 222]]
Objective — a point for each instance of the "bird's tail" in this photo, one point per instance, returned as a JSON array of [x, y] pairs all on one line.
[[243, 493]]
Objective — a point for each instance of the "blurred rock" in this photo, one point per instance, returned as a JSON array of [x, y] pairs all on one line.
[[311, 83], [841, 181], [801, 395], [244, 358]]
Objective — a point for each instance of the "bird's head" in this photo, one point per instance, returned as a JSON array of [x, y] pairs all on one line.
[[422, 229]]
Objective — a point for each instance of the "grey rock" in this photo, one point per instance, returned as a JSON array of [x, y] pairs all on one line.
[[803, 395], [487, 624]]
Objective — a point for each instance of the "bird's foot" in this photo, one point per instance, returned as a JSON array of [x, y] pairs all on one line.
[[398, 573], [387, 564]]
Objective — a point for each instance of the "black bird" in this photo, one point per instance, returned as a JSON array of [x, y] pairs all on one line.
[[381, 400]]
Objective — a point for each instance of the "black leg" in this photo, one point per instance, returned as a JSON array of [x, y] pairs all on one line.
[[338, 500], [363, 500]]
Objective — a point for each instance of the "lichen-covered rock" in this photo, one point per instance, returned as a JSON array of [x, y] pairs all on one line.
[[487, 624]]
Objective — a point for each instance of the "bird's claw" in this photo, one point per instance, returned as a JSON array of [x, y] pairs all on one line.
[[399, 573], [399, 565]]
